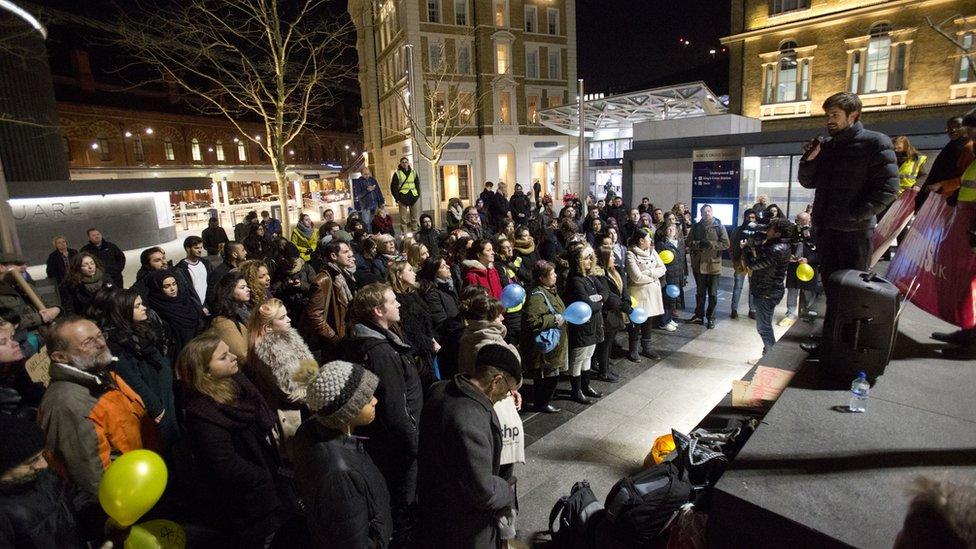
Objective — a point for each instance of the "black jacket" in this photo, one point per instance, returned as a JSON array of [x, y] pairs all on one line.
[[855, 176], [417, 329], [184, 268], [112, 259], [445, 314], [57, 268], [521, 208], [213, 237], [346, 500], [76, 297], [149, 373], [769, 263], [431, 239], [459, 489], [237, 465], [48, 512], [616, 305], [677, 269], [393, 434], [580, 288]]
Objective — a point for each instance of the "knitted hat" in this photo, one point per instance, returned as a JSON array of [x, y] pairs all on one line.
[[342, 236], [339, 392], [21, 440], [500, 357]]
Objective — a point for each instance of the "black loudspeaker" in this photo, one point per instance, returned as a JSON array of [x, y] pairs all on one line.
[[861, 325]]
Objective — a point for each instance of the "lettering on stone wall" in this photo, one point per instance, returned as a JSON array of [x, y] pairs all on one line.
[[46, 211]]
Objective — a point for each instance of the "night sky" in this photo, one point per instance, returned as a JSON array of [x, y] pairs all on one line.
[[626, 45]]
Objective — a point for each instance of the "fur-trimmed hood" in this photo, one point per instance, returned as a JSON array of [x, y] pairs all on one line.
[[288, 360]]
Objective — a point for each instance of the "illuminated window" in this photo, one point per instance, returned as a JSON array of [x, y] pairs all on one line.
[[434, 11], [241, 151], [466, 103], [532, 108], [104, 153], [788, 79], [505, 107], [219, 147], [168, 149], [501, 57], [501, 13], [555, 100], [878, 60], [195, 150], [965, 72], [531, 19]]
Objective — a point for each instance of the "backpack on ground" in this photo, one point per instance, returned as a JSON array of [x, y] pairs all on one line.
[[577, 514], [642, 505]]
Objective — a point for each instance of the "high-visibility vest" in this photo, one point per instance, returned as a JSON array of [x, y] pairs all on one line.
[[908, 172], [408, 183], [967, 190], [512, 276]]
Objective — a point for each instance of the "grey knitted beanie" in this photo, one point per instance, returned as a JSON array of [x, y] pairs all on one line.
[[339, 392]]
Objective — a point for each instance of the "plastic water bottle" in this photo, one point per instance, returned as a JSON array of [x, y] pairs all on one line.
[[859, 393]]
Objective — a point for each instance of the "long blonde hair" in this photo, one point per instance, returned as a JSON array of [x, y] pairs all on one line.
[[413, 253], [249, 270], [194, 365], [393, 274]]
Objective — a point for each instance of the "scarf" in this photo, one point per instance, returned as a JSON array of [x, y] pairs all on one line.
[[177, 311], [247, 410], [93, 283], [306, 231], [456, 211], [524, 247], [342, 278]]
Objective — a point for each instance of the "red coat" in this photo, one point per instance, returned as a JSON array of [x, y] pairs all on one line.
[[383, 225], [476, 274]]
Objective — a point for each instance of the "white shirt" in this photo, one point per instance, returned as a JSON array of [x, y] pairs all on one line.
[[198, 277]]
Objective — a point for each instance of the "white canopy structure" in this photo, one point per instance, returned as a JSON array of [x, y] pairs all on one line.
[[623, 111]]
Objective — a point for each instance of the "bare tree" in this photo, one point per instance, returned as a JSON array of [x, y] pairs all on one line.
[[968, 53], [451, 103], [276, 62]]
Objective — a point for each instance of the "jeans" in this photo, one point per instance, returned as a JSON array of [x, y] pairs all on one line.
[[764, 319], [840, 250], [366, 215], [740, 282], [805, 298], [579, 359], [707, 287], [409, 217], [668, 312]]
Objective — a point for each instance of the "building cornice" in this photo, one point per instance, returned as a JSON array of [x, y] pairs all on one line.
[[828, 19]]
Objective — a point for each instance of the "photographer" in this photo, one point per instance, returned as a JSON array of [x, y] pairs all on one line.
[[768, 261]]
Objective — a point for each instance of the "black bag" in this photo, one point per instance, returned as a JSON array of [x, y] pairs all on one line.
[[577, 513], [642, 505], [703, 464], [860, 329]]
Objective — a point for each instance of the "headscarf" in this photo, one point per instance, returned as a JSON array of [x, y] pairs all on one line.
[[177, 311]]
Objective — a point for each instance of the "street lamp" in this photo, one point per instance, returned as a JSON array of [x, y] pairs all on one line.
[[149, 131], [23, 14]]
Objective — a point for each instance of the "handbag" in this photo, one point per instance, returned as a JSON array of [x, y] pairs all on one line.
[[546, 340], [513, 434]]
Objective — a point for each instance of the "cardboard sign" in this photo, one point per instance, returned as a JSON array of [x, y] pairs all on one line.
[[766, 385], [38, 367]]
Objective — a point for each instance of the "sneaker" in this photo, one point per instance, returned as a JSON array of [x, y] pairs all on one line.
[[711, 324], [669, 327], [696, 320], [673, 323], [753, 361], [734, 315], [787, 321]]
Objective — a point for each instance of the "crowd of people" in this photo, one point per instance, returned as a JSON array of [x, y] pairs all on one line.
[[348, 383]]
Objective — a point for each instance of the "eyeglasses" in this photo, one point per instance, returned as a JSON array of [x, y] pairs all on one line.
[[90, 342]]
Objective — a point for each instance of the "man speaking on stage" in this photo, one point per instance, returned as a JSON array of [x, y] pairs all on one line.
[[855, 174]]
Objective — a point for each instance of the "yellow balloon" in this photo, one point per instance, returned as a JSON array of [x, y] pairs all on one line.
[[804, 272], [633, 301], [663, 445], [132, 485], [156, 534], [667, 256]]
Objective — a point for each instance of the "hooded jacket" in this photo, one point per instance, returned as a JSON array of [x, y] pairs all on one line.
[[769, 263], [90, 420], [279, 365], [476, 274], [393, 434], [49, 513]]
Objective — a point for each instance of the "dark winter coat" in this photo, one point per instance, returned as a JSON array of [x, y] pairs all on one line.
[[855, 176], [48, 513], [364, 199], [617, 304], [584, 288], [769, 263], [705, 243], [76, 297], [431, 239], [237, 463], [57, 267], [213, 237], [111, 257], [445, 314], [521, 208], [291, 283], [418, 330], [346, 500], [392, 435], [676, 269], [184, 268], [149, 373], [802, 250], [459, 489]]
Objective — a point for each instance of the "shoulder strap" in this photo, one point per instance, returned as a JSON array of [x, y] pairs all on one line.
[[552, 310], [556, 510]]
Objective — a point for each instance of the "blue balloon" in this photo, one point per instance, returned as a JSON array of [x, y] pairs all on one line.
[[578, 313], [638, 315], [672, 290], [512, 296]]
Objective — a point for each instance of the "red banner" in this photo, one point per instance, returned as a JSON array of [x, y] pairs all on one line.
[[892, 224], [934, 266]]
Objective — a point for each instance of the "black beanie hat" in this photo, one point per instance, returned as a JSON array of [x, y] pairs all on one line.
[[500, 357], [21, 440]]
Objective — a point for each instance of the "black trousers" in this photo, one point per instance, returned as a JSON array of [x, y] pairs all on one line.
[[707, 288], [603, 349], [840, 250]]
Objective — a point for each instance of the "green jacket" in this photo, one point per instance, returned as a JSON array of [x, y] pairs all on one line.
[[536, 318], [11, 298]]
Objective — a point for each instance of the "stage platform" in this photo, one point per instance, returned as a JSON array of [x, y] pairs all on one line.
[[814, 475]]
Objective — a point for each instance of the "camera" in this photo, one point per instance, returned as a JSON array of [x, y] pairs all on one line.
[[755, 234]]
